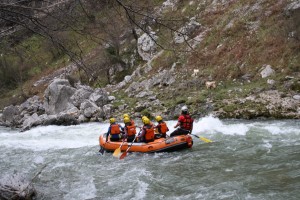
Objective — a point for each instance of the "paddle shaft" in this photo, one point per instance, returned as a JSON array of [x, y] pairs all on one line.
[[195, 135], [101, 150], [202, 138], [118, 150], [125, 153]]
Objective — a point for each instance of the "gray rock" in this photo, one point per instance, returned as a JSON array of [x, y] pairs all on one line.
[[32, 105], [147, 46], [122, 107], [111, 98], [292, 7], [127, 79], [297, 97], [108, 110], [164, 78], [58, 97], [89, 109], [16, 186], [29, 122], [65, 119], [99, 97], [10, 115], [82, 119], [270, 82], [80, 95], [246, 77], [1, 120], [144, 94], [267, 71], [140, 107], [152, 98], [183, 34]]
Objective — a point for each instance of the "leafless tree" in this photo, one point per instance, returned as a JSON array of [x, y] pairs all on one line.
[[104, 22]]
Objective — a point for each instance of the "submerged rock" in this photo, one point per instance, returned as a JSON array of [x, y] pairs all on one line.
[[16, 187]]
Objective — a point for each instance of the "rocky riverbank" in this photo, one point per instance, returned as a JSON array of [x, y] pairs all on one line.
[[64, 104]]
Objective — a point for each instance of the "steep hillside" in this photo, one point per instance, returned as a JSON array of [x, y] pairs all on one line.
[[250, 49], [232, 44]]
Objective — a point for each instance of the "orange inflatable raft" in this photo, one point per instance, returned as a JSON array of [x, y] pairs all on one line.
[[158, 145]]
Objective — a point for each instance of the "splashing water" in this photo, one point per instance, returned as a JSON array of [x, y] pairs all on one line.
[[247, 160]]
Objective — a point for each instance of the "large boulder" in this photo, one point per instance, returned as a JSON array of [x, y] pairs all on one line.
[[58, 96], [147, 46], [11, 115]]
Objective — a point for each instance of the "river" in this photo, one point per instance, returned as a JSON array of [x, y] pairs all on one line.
[[247, 160]]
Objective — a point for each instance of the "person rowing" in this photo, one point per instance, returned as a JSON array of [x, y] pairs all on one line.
[[185, 123]]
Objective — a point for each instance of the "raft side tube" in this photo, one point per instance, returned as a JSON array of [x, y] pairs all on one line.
[[159, 145]]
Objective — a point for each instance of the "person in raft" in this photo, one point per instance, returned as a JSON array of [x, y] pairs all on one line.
[[147, 134], [129, 129], [185, 123], [114, 130], [161, 128], [131, 120]]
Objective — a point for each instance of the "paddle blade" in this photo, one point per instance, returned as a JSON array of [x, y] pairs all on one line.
[[205, 139], [117, 152], [123, 155], [101, 150]]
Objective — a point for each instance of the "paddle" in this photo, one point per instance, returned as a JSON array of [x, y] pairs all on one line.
[[125, 153], [202, 138], [101, 150], [118, 150]]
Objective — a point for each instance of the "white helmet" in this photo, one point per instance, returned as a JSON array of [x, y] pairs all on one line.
[[184, 109]]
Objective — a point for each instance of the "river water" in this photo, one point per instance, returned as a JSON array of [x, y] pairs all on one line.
[[247, 160]]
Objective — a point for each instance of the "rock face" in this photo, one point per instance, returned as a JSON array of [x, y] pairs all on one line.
[[185, 32], [63, 105], [147, 46], [271, 103]]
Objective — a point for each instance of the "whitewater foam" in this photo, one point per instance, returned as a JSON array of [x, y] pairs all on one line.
[[66, 137], [55, 137], [210, 125]]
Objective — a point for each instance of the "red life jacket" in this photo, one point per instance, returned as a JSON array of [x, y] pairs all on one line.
[[131, 130], [163, 128], [149, 135], [187, 122], [114, 129]]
